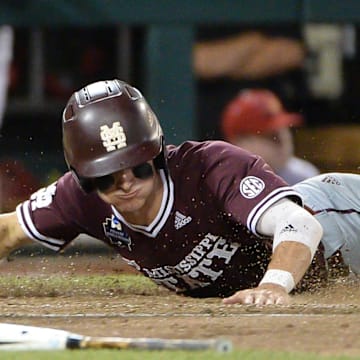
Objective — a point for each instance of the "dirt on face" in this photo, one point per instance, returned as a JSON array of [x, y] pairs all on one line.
[[326, 321]]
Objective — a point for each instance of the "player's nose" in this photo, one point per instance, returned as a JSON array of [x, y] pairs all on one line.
[[124, 179]]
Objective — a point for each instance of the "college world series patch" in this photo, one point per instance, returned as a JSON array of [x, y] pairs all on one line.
[[114, 231]]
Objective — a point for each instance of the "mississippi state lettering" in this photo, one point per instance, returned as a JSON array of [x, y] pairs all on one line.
[[195, 270]]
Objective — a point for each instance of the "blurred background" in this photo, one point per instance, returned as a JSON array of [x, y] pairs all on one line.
[[189, 58]]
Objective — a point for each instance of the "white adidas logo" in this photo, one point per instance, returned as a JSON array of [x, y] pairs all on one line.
[[181, 220]]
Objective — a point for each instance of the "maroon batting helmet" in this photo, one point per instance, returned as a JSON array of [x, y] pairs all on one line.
[[108, 126]]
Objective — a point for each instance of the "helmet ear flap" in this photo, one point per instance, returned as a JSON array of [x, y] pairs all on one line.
[[86, 185], [160, 160]]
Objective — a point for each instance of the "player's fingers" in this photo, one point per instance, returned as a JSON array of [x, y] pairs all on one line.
[[249, 297], [282, 300], [257, 297], [240, 297], [270, 300], [229, 300], [263, 298]]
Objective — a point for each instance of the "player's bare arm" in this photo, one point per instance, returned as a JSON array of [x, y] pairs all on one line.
[[296, 237], [12, 235], [249, 55], [219, 57]]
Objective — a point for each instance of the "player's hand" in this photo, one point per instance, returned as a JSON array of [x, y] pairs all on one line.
[[265, 294]]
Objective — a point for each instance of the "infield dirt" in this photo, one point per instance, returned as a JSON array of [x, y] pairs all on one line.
[[326, 321]]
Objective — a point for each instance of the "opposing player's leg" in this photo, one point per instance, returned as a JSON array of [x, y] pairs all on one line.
[[334, 199]]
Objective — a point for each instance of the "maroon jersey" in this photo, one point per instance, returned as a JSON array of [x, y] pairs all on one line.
[[203, 241]]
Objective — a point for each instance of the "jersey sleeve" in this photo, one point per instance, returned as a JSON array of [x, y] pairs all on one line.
[[46, 217], [243, 185]]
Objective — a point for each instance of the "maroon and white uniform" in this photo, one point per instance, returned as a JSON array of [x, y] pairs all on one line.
[[203, 241]]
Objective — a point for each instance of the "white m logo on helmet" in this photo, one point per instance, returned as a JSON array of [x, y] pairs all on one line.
[[113, 138]]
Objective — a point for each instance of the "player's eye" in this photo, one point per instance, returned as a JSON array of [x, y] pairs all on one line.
[[142, 171], [103, 183]]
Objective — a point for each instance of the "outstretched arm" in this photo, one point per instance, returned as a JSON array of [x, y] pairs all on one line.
[[296, 236], [250, 55], [12, 236]]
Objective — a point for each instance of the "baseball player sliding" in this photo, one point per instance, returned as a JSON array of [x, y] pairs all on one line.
[[196, 218]]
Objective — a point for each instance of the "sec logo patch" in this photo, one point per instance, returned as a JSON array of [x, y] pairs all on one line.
[[251, 186]]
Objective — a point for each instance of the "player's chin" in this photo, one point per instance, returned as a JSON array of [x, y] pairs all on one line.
[[128, 206]]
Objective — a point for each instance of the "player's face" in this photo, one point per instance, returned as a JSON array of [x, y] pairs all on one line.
[[131, 190]]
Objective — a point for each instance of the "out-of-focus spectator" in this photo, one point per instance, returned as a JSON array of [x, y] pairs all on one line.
[[90, 56], [6, 54], [16, 181], [257, 121], [229, 59]]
